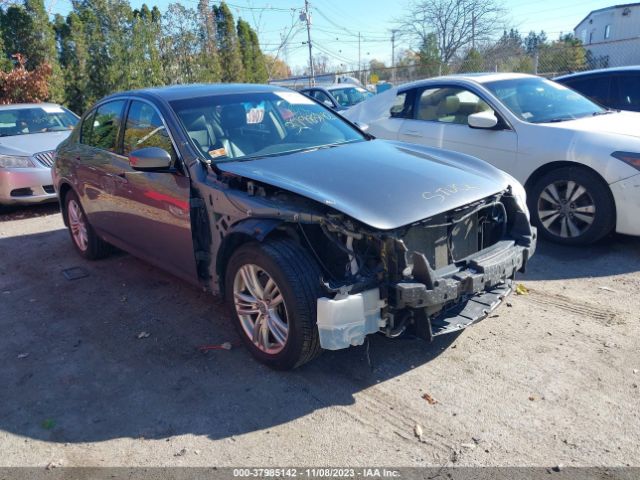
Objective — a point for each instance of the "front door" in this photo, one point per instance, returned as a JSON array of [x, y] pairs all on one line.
[[153, 214], [440, 120]]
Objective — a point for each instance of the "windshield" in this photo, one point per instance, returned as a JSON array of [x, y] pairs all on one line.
[[26, 120], [349, 96], [537, 100], [251, 125]]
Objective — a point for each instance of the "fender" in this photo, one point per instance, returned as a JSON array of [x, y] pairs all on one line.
[[238, 234]]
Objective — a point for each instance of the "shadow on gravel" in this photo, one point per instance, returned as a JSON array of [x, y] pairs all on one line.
[[613, 255], [16, 212], [73, 367]]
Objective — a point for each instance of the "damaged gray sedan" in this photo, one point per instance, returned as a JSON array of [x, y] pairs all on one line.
[[316, 233]]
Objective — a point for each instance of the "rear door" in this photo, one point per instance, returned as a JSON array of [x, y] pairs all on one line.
[[152, 209], [440, 119], [626, 91], [96, 156]]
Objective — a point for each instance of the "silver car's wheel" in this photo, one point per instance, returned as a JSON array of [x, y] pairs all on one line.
[[261, 308], [566, 209], [78, 225]]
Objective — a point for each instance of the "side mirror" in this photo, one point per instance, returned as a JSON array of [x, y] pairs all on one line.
[[362, 126], [328, 103], [486, 120], [149, 159]]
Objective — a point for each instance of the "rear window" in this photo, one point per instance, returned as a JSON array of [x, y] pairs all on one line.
[[100, 129]]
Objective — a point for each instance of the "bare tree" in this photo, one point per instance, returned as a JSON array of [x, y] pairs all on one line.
[[457, 24]]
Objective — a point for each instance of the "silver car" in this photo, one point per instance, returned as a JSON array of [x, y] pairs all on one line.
[[29, 135]]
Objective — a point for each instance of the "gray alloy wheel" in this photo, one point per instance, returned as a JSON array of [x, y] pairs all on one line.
[[85, 240], [261, 308], [77, 225], [566, 208], [572, 205]]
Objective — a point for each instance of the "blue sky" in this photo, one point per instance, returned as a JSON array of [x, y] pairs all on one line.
[[336, 23]]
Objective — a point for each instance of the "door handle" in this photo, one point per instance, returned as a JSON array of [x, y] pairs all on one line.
[[117, 176], [412, 133]]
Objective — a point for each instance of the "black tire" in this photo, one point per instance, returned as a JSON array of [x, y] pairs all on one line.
[[297, 276], [597, 194], [95, 248]]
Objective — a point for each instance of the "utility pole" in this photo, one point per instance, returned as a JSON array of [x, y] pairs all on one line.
[[393, 56], [359, 62], [307, 18]]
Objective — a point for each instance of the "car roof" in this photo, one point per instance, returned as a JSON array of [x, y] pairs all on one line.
[[180, 92], [14, 106], [631, 68], [478, 78]]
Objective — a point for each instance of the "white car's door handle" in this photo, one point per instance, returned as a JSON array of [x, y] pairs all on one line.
[[412, 133]]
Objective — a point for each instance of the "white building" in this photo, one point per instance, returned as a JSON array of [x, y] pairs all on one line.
[[612, 35]]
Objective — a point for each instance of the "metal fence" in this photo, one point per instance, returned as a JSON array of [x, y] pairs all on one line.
[[549, 61]]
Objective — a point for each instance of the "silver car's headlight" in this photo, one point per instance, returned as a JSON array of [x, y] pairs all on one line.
[[15, 161]]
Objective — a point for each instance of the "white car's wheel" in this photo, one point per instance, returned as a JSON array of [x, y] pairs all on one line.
[[571, 205]]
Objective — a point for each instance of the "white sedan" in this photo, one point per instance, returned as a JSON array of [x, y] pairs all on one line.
[[579, 162]]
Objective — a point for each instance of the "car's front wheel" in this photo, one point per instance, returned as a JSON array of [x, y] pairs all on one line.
[[84, 238], [273, 289], [572, 206]]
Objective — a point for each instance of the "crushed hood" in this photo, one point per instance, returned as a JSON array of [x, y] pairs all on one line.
[[31, 143], [383, 184]]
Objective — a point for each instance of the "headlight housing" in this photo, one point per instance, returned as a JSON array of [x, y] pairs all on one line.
[[15, 161], [630, 158], [519, 193]]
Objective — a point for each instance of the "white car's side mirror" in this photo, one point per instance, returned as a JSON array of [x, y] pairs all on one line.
[[486, 120]]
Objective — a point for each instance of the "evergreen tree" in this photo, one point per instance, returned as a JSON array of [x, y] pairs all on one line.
[[473, 62], [27, 30], [230, 55], [246, 50], [5, 63], [208, 58], [260, 74], [429, 63], [73, 59], [144, 68]]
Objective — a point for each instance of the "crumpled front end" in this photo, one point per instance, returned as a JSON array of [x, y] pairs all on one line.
[[435, 276]]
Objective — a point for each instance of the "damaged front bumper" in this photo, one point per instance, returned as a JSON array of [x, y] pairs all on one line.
[[442, 301]]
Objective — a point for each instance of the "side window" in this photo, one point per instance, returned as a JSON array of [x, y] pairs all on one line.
[[402, 106], [596, 88], [144, 128], [105, 126], [449, 105], [322, 97], [628, 87], [87, 128]]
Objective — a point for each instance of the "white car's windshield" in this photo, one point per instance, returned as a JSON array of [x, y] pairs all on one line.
[[537, 100], [246, 126], [349, 96], [26, 120]]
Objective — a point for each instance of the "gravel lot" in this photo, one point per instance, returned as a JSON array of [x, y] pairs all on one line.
[[552, 379]]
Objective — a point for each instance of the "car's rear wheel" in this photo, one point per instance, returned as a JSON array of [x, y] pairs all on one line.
[[84, 238], [572, 206], [273, 290]]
